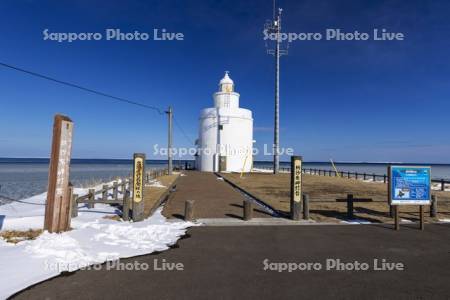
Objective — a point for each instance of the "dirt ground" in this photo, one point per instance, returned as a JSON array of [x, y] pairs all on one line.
[[323, 192], [153, 193]]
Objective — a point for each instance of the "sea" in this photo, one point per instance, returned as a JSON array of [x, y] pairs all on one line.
[[21, 178]]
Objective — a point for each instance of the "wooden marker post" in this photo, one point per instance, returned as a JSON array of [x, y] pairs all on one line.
[[57, 207], [296, 187], [138, 186]]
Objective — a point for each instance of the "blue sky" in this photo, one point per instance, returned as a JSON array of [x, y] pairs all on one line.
[[349, 100]]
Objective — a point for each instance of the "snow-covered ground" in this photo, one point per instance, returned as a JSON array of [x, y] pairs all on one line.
[[92, 240]]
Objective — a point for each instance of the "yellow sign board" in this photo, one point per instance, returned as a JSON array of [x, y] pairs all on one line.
[[138, 182]]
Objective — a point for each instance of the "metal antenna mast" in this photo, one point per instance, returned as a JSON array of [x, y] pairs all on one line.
[[274, 29]]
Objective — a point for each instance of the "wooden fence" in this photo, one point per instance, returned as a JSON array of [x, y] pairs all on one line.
[[117, 193], [353, 175]]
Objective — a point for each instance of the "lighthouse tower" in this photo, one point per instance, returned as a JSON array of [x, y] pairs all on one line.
[[226, 133]]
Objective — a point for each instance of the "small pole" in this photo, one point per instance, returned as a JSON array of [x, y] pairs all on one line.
[[356, 175], [433, 208], [115, 190], [105, 192], [384, 178], [442, 185], [91, 198], [248, 210], [350, 206], [189, 210], [374, 177], [138, 186], [422, 220], [364, 176], [126, 206], [169, 113], [397, 218], [74, 204], [305, 206]]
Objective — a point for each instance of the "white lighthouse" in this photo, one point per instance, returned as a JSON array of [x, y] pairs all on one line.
[[226, 133]]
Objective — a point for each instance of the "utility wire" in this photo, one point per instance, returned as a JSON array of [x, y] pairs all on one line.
[[187, 137], [83, 88], [157, 109]]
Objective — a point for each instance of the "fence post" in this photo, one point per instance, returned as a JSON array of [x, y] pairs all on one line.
[[348, 174], [91, 198], [442, 185], [105, 192], [74, 205], [126, 205], [356, 175], [248, 210], [115, 191], [384, 178], [364, 176], [296, 187], [433, 208], [342, 174], [350, 206], [189, 210], [374, 177], [305, 206]]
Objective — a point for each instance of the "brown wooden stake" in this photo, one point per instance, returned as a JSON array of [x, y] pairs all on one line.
[[305, 206], [115, 191], [248, 210], [433, 208], [350, 206], [189, 210], [91, 198], [57, 207], [126, 206]]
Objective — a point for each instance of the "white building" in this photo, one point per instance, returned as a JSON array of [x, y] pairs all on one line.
[[226, 133]]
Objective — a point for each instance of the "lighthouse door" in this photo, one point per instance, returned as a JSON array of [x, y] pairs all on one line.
[[223, 163]]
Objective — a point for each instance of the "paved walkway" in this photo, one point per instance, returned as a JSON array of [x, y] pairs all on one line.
[[213, 198], [228, 263]]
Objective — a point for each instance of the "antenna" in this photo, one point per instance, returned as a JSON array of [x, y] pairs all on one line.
[[273, 29]]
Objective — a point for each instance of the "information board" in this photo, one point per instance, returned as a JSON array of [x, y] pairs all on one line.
[[410, 185]]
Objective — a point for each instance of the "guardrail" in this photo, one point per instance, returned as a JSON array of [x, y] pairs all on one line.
[[352, 175]]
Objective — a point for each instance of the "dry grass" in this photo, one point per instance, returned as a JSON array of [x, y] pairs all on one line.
[[14, 236], [323, 191]]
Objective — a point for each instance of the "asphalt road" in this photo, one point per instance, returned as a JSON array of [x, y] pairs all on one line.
[[228, 263]]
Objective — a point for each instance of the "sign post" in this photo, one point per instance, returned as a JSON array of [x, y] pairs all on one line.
[[138, 186], [409, 185], [57, 207], [296, 187]]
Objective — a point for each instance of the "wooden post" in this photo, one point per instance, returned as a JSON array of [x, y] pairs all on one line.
[[126, 206], [248, 210], [356, 175], [66, 211], [74, 211], [442, 185], [364, 176], [348, 174], [397, 217], [138, 186], [91, 198], [384, 178], [374, 177], [115, 191], [296, 187], [433, 208], [305, 206], [57, 207], [350, 206], [422, 219], [189, 210], [105, 192]]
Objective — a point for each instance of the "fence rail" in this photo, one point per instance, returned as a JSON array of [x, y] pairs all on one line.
[[352, 175]]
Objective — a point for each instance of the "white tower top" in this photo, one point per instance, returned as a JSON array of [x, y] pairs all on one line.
[[226, 97]]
